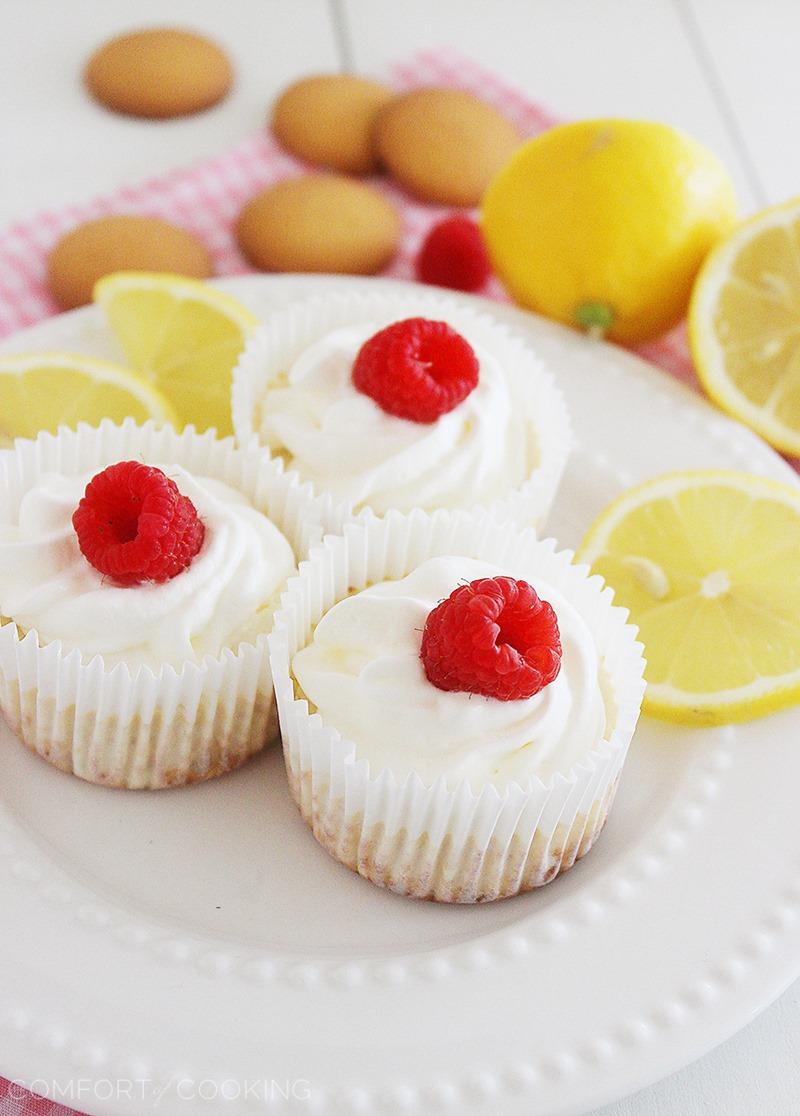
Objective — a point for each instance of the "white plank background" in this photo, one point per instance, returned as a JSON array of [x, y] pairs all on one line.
[[726, 70]]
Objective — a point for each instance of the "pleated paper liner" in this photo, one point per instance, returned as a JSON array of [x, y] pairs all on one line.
[[142, 728], [449, 841]]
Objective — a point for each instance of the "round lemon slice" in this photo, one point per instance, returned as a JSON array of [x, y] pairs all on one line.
[[183, 336], [744, 325], [42, 391], [708, 563]]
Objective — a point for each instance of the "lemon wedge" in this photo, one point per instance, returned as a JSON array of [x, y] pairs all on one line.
[[708, 563], [744, 325], [41, 391], [183, 336]]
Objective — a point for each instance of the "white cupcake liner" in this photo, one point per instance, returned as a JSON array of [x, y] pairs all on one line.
[[276, 345], [446, 841], [146, 728]]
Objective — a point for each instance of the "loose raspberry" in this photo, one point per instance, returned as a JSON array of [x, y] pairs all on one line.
[[133, 525], [454, 254], [493, 637], [416, 369]]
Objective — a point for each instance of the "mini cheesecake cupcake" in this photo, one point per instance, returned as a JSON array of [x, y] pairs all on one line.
[[396, 401], [139, 573], [456, 702]]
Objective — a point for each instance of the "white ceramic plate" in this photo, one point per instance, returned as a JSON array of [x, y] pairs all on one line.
[[199, 945]]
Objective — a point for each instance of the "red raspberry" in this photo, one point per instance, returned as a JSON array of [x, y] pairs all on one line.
[[454, 254], [133, 525], [416, 369], [493, 637]]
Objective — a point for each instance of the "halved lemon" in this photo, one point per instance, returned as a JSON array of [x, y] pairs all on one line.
[[708, 563], [744, 325], [41, 391], [183, 336]]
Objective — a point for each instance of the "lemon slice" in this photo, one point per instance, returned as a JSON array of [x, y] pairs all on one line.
[[41, 391], [183, 336], [744, 325], [708, 563]]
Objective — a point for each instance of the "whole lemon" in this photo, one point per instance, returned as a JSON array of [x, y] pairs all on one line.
[[603, 224]]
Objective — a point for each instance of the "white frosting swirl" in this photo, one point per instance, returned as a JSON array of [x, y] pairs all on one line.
[[342, 441], [363, 673], [218, 601]]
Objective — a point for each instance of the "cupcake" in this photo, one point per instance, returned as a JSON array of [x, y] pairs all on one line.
[[456, 702], [139, 573], [398, 401]]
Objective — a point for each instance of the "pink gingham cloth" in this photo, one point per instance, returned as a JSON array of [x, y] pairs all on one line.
[[205, 199]]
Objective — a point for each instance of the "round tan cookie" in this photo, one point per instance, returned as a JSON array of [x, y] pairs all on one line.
[[159, 72], [98, 248], [328, 120], [443, 144], [319, 223]]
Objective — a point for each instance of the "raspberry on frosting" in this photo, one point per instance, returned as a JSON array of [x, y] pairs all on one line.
[[133, 525], [454, 255], [416, 369], [495, 637]]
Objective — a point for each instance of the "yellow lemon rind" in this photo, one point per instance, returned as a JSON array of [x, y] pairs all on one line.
[[717, 709], [596, 249]]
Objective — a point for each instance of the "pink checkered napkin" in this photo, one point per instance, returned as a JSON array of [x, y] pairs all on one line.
[[205, 199], [16, 1101]]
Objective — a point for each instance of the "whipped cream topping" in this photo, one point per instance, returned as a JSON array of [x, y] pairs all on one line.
[[222, 599], [342, 441], [363, 673]]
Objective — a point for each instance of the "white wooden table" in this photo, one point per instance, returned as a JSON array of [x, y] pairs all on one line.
[[726, 70]]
